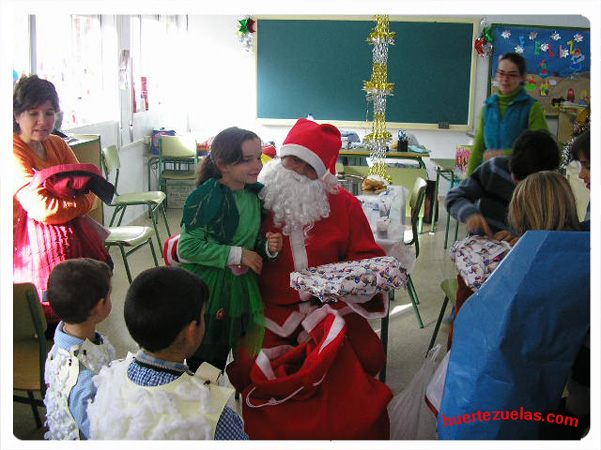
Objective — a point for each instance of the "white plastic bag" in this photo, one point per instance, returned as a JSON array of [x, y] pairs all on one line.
[[410, 417], [435, 388]]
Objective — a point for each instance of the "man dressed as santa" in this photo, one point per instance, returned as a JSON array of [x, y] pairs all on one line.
[[322, 223]]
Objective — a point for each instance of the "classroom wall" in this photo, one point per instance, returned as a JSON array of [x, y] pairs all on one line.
[[217, 81], [227, 81], [224, 93]]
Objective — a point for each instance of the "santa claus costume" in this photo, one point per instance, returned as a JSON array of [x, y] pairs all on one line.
[[321, 223]]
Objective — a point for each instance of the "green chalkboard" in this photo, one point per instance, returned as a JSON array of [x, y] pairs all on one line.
[[318, 67]]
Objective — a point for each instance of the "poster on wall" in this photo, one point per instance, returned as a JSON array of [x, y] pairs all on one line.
[[558, 62]]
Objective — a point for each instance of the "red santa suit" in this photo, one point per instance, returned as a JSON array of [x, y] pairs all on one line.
[[343, 236]]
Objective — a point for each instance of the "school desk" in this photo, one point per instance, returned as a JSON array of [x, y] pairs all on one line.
[[363, 154]]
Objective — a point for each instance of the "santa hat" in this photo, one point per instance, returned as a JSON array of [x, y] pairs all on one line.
[[269, 150], [317, 145]]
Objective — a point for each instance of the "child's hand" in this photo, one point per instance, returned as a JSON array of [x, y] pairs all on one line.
[[252, 260], [274, 242], [477, 223], [505, 235]]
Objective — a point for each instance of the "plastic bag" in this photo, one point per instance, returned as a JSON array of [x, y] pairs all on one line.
[[435, 387], [410, 417]]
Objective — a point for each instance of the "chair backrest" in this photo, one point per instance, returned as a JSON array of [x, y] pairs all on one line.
[[416, 201], [29, 323], [111, 162], [177, 147]]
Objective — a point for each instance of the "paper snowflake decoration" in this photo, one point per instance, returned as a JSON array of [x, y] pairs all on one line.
[[532, 36], [519, 49], [555, 36], [578, 37], [506, 34], [564, 53], [544, 47]]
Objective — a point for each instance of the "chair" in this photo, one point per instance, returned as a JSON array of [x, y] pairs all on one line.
[[416, 202], [133, 238], [155, 200], [179, 152], [29, 347], [446, 233], [449, 287]]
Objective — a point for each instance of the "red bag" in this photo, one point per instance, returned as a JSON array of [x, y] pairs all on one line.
[[316, 390]]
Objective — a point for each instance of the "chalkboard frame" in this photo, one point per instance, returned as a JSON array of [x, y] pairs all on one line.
[[465, 124]]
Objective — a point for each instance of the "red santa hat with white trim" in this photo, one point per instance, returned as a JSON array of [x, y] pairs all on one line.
[[316, 144]]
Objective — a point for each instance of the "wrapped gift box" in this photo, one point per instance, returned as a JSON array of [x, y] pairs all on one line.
[[476, 257], [351, 281]]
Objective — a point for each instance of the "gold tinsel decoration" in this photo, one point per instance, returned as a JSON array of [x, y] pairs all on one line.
[[377, 89]]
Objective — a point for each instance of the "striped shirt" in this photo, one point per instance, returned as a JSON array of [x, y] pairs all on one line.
[[487, 191]]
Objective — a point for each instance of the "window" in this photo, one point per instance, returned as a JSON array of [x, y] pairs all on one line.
[[21, 46], [156, 41], [69, 52]]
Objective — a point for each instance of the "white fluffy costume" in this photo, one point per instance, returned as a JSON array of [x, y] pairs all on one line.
[[187, 408], [64, 368]]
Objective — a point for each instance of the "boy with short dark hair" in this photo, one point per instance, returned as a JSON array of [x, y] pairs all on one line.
[[482, 199], [153, 395], [79, 291]]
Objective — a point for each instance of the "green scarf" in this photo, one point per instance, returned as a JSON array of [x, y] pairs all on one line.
[[212, 204]]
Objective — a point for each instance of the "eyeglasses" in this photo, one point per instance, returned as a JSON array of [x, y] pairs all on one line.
[[502, 74]]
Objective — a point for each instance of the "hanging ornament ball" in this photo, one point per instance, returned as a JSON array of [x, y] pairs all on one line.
[[487, 49], [479, 46]]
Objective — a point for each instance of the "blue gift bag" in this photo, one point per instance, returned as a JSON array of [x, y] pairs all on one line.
[[516, 339]]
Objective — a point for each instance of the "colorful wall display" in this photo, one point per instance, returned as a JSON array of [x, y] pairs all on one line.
[[558, 61]]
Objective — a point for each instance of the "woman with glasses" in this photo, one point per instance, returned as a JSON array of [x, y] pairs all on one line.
[[507, 113]]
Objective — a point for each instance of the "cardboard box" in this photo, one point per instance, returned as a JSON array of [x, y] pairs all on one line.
[[177, 194]]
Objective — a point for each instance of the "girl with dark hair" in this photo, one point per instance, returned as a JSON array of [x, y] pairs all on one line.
[[506, 114], [220, 242], [46, 225]]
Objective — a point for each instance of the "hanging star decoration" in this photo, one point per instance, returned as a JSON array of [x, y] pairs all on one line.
[[519, 49], [564, 53], [506, 34], [544, 47], [578, 37], [246, 28], [532, 36], [555, 36]]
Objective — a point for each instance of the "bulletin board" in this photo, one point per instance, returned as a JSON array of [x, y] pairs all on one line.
[[558, 60], [319, 66]]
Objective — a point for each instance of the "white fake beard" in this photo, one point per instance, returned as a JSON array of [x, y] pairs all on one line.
[[296, 201]]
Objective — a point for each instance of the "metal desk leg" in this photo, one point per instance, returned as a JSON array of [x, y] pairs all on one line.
[[435, 206], [384, 335]]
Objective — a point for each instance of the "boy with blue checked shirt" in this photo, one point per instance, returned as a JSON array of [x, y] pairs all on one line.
[[79, 291], [153, 394]]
